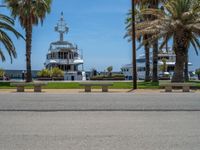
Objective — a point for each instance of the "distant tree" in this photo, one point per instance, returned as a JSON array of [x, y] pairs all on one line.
[[198, 73], [163, 67], [93, 72], [2, 72], [110, 69]]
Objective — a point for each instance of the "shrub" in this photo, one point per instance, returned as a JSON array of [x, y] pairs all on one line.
[[44, 73], [2, 72], [198, 71], [110, 69], [94, 72], [119, 75], [56, 72], [114, 77]]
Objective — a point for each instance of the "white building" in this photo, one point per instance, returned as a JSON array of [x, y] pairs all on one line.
[[65, 55], [169, 56]]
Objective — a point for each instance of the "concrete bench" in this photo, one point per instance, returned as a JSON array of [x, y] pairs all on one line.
[[169, 86], [21, 86], [89, 85]]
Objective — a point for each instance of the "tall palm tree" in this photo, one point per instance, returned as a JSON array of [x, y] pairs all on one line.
[[6, 24], [29, 12], [134, 65], [180, 21]]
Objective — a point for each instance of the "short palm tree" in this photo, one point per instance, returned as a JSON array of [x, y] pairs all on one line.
[[181, 22], [151, 4], [141, 4], [139, 18], [6, 24], [29, 12]]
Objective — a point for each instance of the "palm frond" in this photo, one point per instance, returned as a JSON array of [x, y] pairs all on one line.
[[2, 57]]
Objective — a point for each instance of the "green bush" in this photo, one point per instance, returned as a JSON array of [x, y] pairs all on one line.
[[197, 72], [56, 72], [118, 75], [97, 78], [2, 72], [110, 69], [44, 73], [114, 77]]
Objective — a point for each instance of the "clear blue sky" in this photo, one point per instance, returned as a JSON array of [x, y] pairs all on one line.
[[97, 26]]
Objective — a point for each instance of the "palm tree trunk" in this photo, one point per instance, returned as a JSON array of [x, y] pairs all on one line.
[[167, 47], [155, 62], [147, 63], [134, 62], [155, 4], [28, 51], [186, 68], [180, 51], [179, 67]]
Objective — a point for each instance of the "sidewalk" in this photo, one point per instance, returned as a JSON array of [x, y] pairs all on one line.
[[76, 91]]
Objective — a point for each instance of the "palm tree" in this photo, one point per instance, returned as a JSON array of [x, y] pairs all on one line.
[[151, 4], [139, 18], [180, 21], [6, 24], [29, 12], [141, 4], [134, 65]]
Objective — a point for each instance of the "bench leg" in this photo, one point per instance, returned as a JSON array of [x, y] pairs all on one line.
[[20, 88], [186, 89], [104, 88], [37, 89], [168, 89], [87, 88]]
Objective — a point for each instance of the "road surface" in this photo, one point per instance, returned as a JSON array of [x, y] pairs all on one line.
[[100, 102], [100, 121], [100, 130]]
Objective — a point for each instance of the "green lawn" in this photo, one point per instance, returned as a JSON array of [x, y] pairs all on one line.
[[197, 83], [75, 85]]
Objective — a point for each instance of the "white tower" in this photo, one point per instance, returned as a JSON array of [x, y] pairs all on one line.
[[61, 27], [64, 55]]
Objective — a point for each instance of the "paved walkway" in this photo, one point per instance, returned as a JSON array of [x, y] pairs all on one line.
[[64, 91], [73, 91]]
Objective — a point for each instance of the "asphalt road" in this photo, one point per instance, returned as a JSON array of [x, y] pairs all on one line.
[[100, 102], [99, 130], [148, 121]]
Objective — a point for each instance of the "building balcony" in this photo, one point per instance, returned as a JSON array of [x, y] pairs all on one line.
[[64, 61]]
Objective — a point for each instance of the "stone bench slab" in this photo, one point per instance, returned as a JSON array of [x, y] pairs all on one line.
[[88, 86], [21, 85], [168, 86]]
